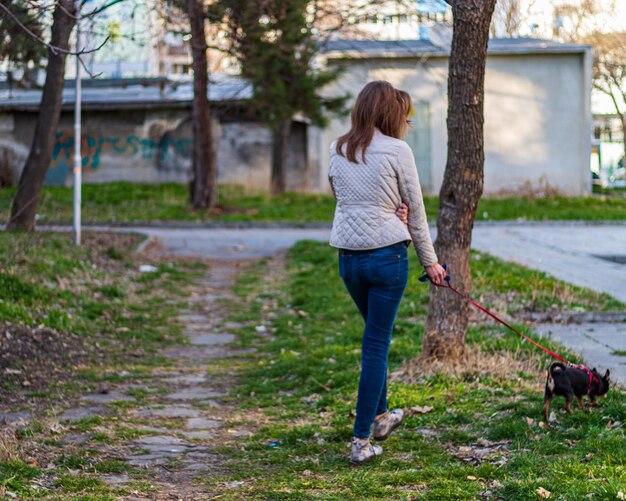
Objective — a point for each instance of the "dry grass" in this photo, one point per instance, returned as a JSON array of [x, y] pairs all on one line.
[[502, 365], [540, 189], [9, 446]]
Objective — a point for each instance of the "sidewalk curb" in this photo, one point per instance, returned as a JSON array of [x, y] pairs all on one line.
[[147, 241], [320, 225]]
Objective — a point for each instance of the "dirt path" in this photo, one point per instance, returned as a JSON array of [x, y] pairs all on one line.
[[162, 430], [192, 400]]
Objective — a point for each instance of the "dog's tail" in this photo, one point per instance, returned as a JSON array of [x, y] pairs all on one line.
[[554, 367]]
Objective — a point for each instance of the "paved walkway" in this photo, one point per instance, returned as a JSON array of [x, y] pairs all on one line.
[[570, 252], [576, 253]]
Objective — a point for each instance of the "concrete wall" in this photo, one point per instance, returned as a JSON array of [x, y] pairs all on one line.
[[151, 146], [537, 117]]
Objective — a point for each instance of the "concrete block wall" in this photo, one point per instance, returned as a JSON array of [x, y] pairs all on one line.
[[153, 146]]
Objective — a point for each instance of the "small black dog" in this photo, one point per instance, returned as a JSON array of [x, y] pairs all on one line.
[[576, 380]]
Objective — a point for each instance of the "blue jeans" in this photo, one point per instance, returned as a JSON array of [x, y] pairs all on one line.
[[376, 280]]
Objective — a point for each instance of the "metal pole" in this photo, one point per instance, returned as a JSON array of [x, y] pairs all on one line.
[[77, 135]]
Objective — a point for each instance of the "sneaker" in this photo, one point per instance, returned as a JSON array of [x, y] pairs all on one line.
[[363, 450], [386, 423]]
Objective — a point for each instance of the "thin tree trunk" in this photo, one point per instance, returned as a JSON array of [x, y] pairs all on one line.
[[447, 320], [623, 118], [204, 173], [280, 151], [24, 206]]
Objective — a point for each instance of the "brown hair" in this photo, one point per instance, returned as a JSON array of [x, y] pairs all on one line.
[[406, 102], [378, 105]]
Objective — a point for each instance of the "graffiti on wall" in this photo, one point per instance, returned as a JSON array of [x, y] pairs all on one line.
[[94, 147]]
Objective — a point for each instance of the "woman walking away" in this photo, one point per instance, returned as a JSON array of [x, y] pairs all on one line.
[[372, 173]]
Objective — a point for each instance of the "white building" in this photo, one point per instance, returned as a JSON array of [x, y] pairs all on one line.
[[537, 110]]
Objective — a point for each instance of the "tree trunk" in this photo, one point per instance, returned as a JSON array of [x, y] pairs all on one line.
[[204, 173], [623, 118], [280, 151], [24, 206], [447, 320]]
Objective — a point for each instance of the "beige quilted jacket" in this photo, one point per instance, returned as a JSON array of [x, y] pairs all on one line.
[[368, 194]]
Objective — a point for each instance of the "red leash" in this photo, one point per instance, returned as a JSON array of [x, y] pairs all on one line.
[[495, 317], [591, 375]]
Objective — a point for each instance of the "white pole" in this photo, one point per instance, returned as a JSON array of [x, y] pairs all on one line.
[[77, 135]]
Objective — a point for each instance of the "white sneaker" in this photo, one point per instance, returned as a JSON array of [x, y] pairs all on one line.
[[363, 450], [386, 423]]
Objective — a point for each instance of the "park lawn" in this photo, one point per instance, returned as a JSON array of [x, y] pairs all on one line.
[[123, 202], [71, 320], [302, 389]]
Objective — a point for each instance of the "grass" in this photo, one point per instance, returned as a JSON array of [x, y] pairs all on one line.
[[48, 282], [124, 202], [90, 300], [304, 388]]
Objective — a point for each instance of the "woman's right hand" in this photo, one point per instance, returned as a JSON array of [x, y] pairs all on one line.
[[436, 273]]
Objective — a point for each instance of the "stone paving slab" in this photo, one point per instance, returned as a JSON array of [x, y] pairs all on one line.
[[194, 393], [202, 423], [170, 412], [211, 339], [15, 418], [78, 413], [108, 397]]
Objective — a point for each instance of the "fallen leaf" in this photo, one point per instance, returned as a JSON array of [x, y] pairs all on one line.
[[530, 421], [57, 427], [12, 371], [543, 426], [620, 495], [552, 417], [543, 493], [420, 409], [472, 477], [311, 399]]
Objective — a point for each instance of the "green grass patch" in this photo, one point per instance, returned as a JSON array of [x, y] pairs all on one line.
[[129, 202], [305, 386], [83, 315]]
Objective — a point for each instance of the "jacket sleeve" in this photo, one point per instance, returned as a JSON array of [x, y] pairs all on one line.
[[411, 193], [330, 169]]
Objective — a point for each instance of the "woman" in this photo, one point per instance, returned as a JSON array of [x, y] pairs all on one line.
[[372, 173]]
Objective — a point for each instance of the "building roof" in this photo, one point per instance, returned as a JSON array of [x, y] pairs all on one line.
[[417, 48], [135, 93]]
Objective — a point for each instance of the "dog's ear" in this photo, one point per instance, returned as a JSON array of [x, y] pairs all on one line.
[[607, 374]]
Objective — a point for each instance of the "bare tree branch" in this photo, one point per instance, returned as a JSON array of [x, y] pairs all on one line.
[[91, 75], [55, 50], [100, 9]]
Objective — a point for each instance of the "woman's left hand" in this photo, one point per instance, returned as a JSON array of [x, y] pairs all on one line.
[[403, 213]]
